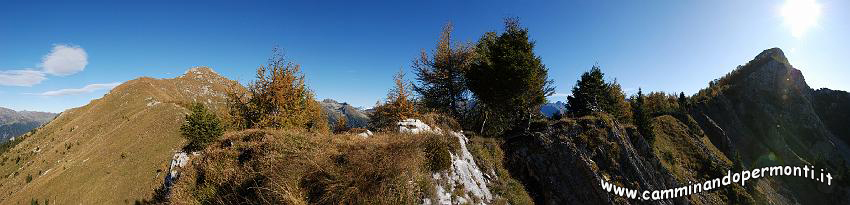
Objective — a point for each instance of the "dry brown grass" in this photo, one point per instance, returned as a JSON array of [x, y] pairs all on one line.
[[77, 158], [291, 167], [440, 121]]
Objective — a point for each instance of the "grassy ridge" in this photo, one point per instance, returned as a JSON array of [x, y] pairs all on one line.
[[111, 151]]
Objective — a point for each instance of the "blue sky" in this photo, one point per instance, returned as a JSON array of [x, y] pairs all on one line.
[[349, 50]]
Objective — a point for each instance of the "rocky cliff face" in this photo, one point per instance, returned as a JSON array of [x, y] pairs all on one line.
[[768, 115], [564, 163], [766, 106], [761, 114]]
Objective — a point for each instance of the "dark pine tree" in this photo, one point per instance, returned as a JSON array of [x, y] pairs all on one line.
[[508, 80], [589, 93], [641, 117], [683, 102], [200, 128]]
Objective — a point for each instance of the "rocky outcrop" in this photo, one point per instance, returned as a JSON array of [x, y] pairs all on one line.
[[464, 177], [716, 134], [178, 161], [769, 113], [761, 114], [464, 182], [414, 126], [564, 162]]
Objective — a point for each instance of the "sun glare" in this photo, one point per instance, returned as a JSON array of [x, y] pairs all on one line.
[[800, 15]]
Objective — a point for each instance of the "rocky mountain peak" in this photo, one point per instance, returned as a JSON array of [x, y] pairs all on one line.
[[773, 53], [200, 73], [768, 73], [770, 91], [200, 70], [772, 60]]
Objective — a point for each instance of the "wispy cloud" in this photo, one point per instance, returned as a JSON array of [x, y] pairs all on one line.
[[21, 77], [62, 60], [560, 95], [76, 91]]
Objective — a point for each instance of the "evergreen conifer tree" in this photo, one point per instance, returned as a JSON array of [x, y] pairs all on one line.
[[683, 102], [201, 128], [592, 94], [641, 117], [508, 79]]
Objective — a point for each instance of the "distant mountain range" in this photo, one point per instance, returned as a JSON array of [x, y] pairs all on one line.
[[15, 123], [355, 117], [550, 109]]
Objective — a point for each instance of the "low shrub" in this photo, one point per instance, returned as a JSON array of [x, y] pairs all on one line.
[[201, 128], [398, 106], [438, 149]]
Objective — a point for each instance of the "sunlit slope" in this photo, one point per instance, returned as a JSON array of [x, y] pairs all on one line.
[[113, 150]]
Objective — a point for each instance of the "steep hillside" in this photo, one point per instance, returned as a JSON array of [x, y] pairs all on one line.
[[113, 150], [683, 150], [15, 123], [767, 114], [833, 108], [761, 114], [563, 163]]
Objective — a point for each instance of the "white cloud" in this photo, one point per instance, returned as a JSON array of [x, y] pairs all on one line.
[[75, 91], [21, 77], [560, 95], [64, 60]]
